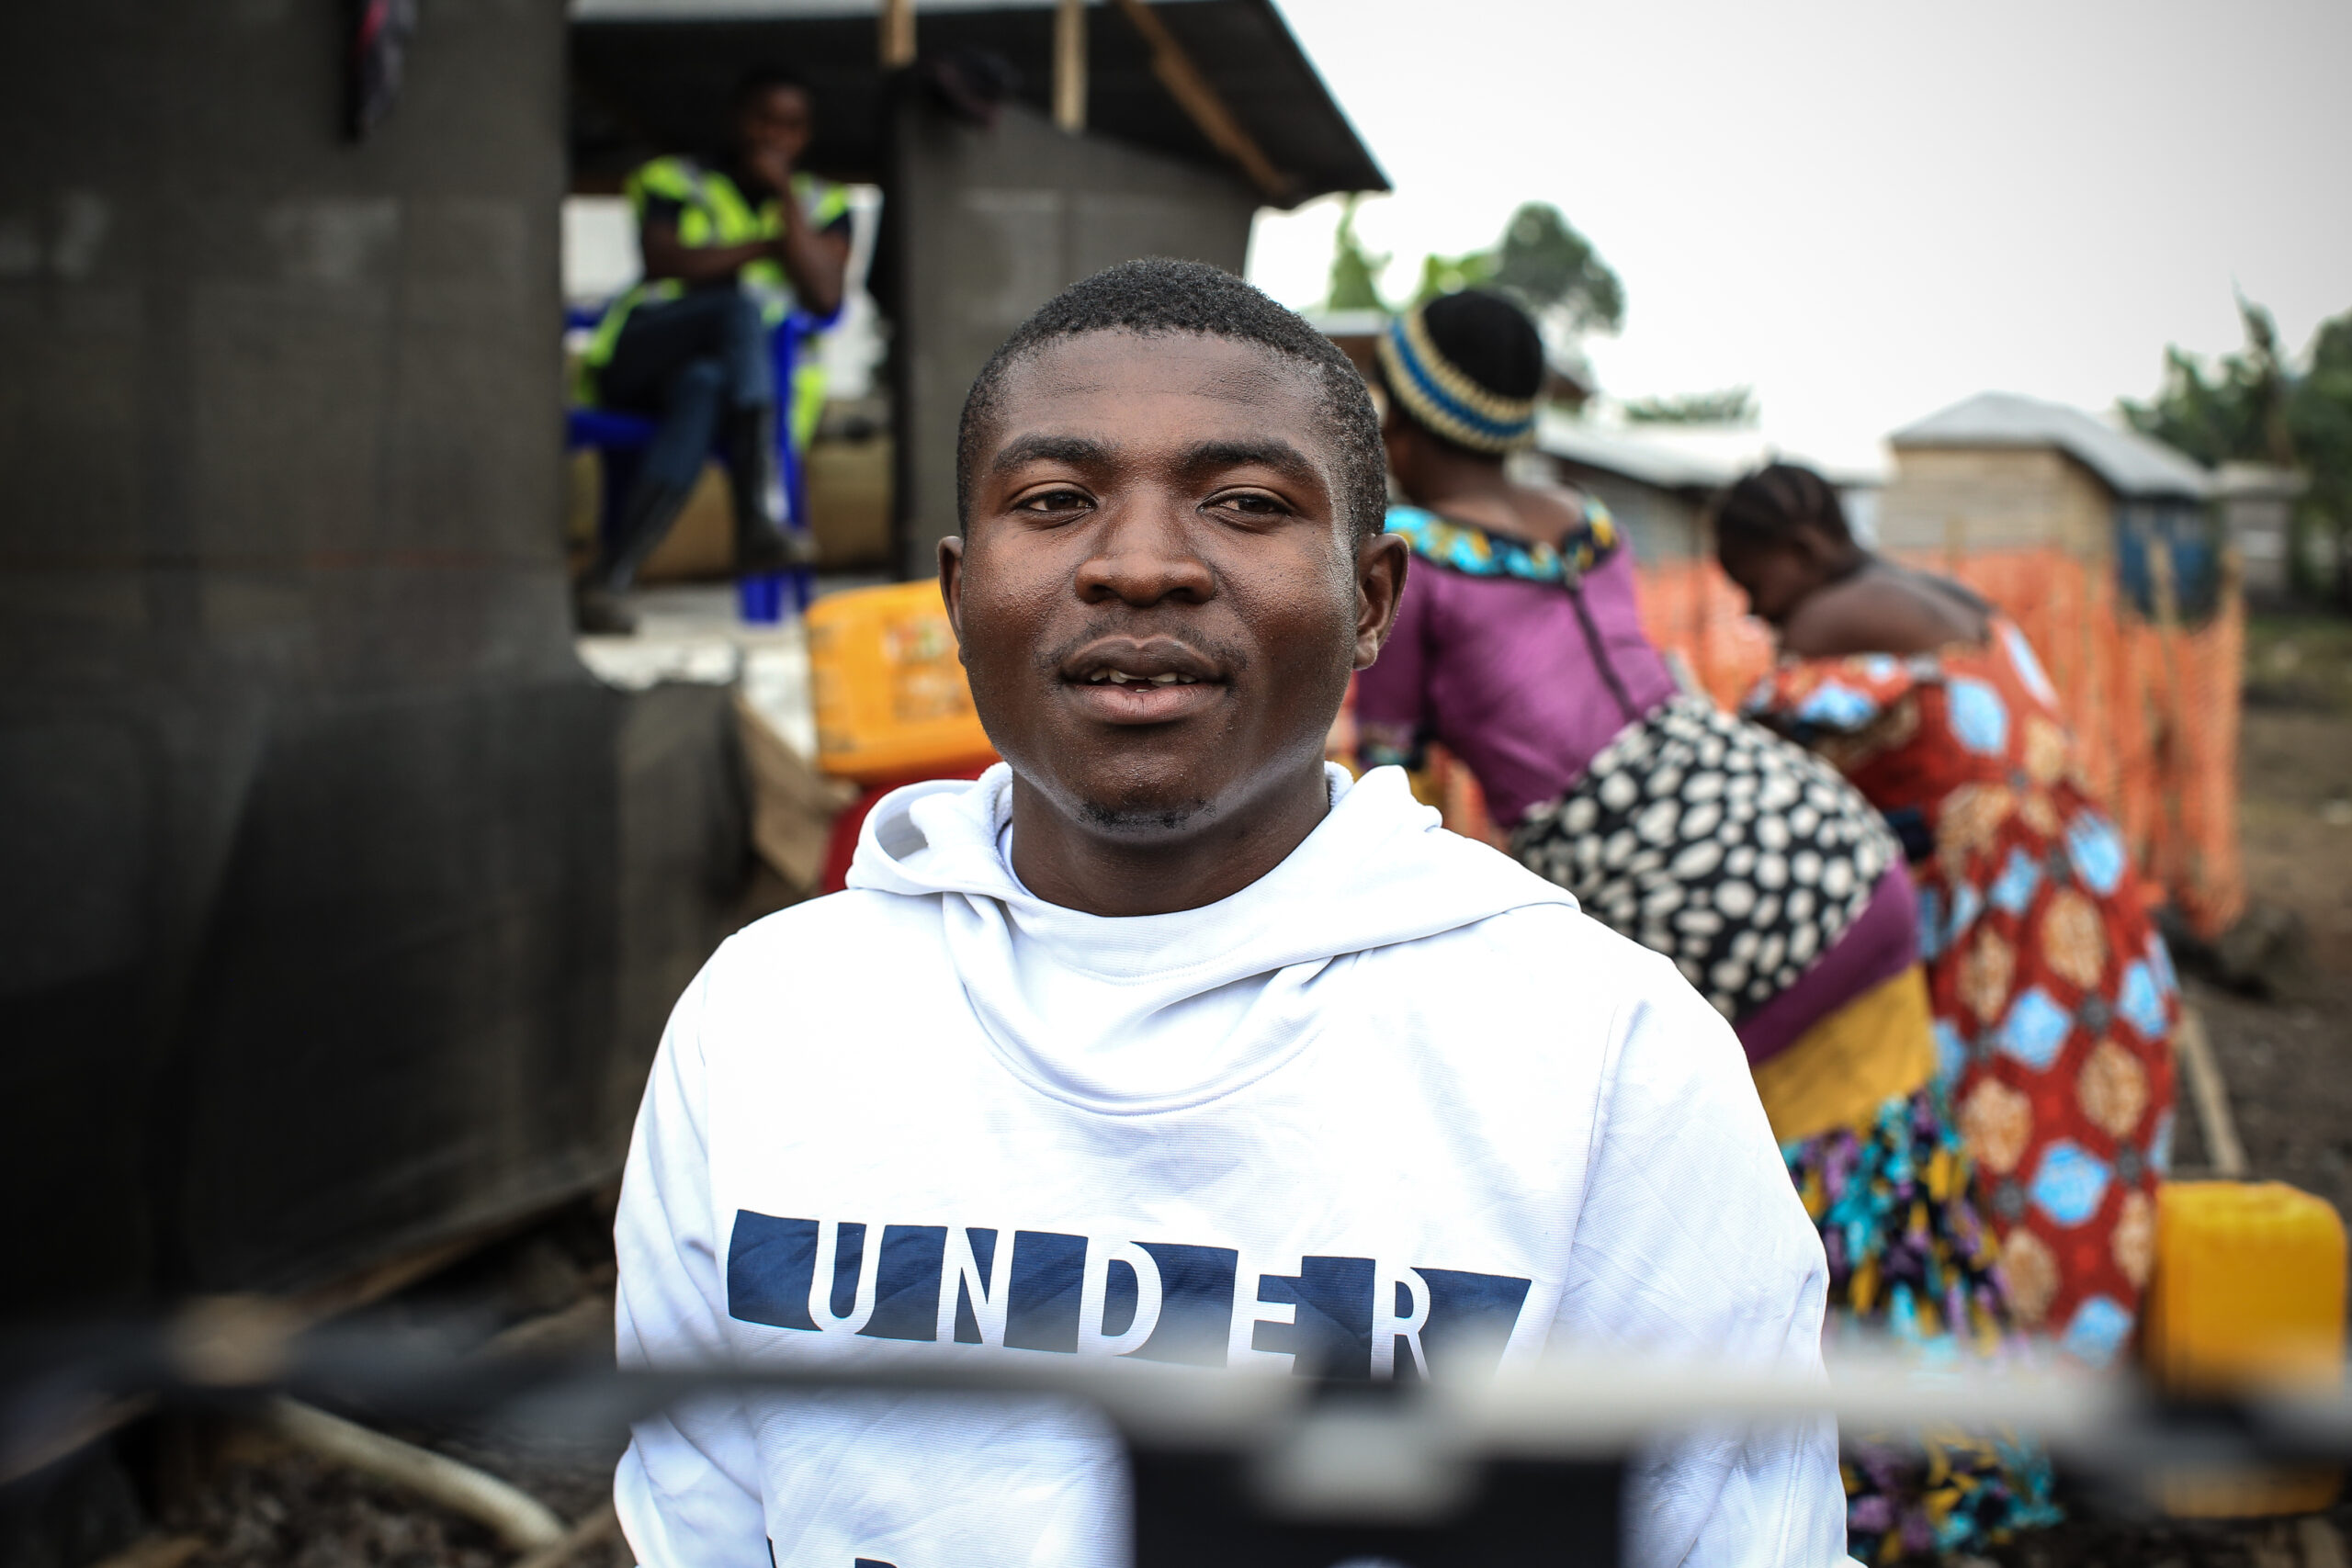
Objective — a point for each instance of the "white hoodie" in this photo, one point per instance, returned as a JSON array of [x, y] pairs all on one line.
[[1393, 1104]]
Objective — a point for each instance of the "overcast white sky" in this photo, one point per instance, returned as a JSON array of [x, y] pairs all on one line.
[[1866, 210]]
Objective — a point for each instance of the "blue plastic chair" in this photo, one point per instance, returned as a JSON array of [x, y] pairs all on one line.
[[619, 438]]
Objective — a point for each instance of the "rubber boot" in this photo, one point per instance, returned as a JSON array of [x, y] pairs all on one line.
[[762, 541], [598, 599]]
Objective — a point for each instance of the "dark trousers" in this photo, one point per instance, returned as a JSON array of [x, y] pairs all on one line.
[[690, 363]]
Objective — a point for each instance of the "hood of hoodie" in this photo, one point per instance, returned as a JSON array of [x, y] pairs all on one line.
[[1157, 1012]]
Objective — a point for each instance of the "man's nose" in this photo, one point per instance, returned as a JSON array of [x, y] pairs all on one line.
[[1144, 553]]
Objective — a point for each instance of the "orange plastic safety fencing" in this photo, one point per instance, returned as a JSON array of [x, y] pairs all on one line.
[[2154, 709]]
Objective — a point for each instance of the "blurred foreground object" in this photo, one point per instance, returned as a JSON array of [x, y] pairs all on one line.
[[2248, 1293], [1227, 1469]]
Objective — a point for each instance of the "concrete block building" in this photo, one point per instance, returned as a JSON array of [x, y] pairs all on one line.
[[2003, 472]]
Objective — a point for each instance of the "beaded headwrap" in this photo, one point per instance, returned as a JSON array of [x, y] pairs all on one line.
[[1435, 392]]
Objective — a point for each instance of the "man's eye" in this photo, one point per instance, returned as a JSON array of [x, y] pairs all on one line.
[[1250, 504], [1055, 501]]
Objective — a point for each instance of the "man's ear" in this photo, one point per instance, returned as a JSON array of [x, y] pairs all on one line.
[[951, 584], [1380, 588]]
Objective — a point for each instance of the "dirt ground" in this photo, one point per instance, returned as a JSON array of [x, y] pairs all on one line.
[[239, 1497], [2284, 1056]]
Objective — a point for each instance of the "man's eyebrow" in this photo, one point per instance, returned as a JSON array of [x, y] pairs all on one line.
[[1269, 452], [1048, 449]]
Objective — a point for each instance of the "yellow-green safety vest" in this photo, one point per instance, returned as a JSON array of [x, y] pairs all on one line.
[[714, 212]]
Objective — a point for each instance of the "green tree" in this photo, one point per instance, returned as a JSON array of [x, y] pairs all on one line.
[[1554, 272], [2255, 406], [2237, 415], [1451, 275], [1554, 269], [2319, 425], [1355, 271], [1733, 405]]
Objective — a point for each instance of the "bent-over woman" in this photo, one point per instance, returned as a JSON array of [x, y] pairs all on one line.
[[2054, 999]]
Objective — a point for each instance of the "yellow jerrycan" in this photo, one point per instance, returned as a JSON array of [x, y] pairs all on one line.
[[2247, 1294], [890, 691]]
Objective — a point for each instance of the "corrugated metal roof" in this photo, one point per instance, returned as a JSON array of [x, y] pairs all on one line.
[[653, 73], [1675, 457], [2129, 462], [1346, 324], [708, 10]]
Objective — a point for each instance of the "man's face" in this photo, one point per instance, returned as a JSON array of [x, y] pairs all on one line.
[[777, 120], [1157, 599]]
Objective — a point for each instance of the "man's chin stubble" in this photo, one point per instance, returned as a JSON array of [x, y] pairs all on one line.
[[1132, 818], [1128, 822]]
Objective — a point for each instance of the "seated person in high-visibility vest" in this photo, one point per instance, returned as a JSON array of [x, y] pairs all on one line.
[[730, 247]]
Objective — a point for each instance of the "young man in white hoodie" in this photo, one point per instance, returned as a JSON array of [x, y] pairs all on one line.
[[1164, 1041]]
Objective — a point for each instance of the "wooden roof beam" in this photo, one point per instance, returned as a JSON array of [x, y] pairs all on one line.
[[897, 34], [1194, 94]]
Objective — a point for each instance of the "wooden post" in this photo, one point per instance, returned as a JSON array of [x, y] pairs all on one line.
[[2227, 902], [1069, 65], [2089, 714], [1200, 101], [898, 33], [2163, 592], [2232, 591], [2164, 588], [2194, 1051]]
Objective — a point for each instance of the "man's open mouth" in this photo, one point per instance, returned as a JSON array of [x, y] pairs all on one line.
[[1140, 661], [1121, 678], [1146, 681]]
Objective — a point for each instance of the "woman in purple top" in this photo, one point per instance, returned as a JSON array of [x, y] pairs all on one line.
[[1762, 874], [1768, 880]]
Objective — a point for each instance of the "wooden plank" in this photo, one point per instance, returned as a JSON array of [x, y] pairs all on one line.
[[30, 1451], [1176, 71], [2194, 1052], [519, 1520], [372, 1284], [898, 34], [156, 1551], [1069, 65]]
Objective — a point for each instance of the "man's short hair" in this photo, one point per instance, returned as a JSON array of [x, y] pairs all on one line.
[[1158, 296]]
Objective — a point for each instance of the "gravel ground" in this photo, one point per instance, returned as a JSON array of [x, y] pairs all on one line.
[[289, 1510]]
